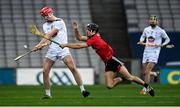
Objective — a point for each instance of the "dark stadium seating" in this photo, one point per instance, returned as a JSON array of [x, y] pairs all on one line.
[[16, 15], [138, 12]]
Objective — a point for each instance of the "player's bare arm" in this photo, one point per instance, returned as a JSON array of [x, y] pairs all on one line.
[[77, 32], [44, 42], [75, 45], [50, 34], [167, 40]]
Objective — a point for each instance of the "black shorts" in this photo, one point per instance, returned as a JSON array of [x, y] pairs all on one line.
[[113, 64]]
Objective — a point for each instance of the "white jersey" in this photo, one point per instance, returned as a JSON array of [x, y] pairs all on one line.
[[153, 35], [61, 36], [54, 51]]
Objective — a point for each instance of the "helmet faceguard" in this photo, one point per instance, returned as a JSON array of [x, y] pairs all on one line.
[[153, 17]]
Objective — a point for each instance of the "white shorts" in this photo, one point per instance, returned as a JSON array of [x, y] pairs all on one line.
[[54, 54], [150, 57]]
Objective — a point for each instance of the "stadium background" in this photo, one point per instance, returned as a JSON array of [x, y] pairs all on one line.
[[121, 24]]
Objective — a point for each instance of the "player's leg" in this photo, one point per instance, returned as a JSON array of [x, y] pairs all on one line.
[[144, 68], [47, 64], [111, 68], [146, 57], [68, 60], [143, 91], [149, 61], [136, 79], [148, 68], [130, 77], [155, 73], [110, 79], [147, 75], [70, 64]]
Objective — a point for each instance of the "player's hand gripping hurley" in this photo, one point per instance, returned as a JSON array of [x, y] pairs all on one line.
[[35, 31], [154, 45]]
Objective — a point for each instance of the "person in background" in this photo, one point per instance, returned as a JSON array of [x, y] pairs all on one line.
[[151, 38]]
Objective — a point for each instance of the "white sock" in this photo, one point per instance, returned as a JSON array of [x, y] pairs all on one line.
[[144, 89], [48, 92], [82, 88], [153, 73]]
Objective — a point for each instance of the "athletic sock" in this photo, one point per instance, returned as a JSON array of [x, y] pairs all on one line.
[[82, 88], [144, 89], [48, 92], [153, 73]]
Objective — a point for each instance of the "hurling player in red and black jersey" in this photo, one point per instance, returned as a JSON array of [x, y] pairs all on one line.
[[112, 64]]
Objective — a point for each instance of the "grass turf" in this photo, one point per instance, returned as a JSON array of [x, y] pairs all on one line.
[[122, 95]]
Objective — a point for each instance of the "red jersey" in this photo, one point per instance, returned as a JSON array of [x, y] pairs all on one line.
[[102, 48]]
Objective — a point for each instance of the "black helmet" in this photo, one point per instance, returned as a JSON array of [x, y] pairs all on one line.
[[93, 27]]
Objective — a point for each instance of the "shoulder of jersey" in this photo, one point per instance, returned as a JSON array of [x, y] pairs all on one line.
[[159, 28], [148, 27], [59, 19]]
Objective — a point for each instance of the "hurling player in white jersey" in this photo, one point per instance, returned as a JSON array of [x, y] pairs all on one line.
[[55, 29], [151, 38]]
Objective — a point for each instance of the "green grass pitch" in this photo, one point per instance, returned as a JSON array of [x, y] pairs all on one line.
[[121, 95]]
